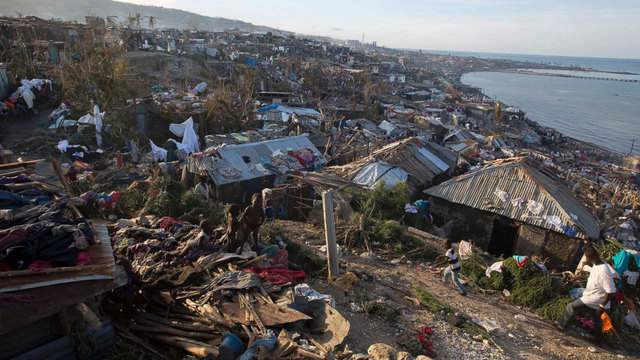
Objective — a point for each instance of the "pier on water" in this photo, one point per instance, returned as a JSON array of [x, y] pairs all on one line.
[[603, 78]]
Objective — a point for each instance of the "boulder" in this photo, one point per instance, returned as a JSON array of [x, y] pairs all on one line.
[[382, 352]]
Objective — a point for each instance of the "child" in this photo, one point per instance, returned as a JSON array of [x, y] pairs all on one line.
[[453, 268]]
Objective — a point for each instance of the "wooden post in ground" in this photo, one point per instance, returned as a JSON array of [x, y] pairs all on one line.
[[330, 235]]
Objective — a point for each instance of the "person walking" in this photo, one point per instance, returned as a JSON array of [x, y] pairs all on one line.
[[453, 268]]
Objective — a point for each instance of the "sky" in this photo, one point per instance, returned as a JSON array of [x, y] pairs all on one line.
[[595, 28]]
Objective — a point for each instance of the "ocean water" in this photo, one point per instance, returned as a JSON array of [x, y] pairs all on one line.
[[606, 113], [601, 64]]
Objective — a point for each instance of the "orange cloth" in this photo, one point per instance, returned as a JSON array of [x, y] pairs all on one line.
[[607, 326]]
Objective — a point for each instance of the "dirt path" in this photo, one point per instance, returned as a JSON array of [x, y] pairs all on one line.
[[16, 130], [519, 334]]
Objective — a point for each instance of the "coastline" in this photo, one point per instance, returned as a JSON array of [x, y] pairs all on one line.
[[586, 145]]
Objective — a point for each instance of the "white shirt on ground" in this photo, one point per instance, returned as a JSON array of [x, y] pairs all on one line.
[[599, 284]]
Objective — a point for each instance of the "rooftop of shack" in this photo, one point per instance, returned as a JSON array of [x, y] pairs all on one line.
[[248, 161], [519, 189]]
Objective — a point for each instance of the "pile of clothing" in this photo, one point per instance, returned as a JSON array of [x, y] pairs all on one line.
[[43, 236]]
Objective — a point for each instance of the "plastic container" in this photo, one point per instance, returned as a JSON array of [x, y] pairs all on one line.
[[231, 347]]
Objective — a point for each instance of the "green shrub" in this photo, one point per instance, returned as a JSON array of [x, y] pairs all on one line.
[[473, 268], [132, 201], [382, 203], [534, 292], [164, 204], [608, 248], [554, 309]]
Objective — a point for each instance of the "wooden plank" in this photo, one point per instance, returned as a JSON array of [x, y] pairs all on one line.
[[270, 314], [330, 235], [41, 302], [18, 164], [13, 172]]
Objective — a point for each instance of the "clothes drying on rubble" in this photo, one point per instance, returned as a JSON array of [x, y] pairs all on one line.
[[52, 241]]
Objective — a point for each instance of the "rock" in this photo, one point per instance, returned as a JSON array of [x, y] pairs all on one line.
[[395, 261], [359, 357], [592, 349], [381, 352], [347, 281], [520, 317], [403, 355], [478, 338], [423, 357], [455, 320]]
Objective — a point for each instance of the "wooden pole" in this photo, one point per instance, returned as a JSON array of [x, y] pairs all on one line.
[[330, 234]]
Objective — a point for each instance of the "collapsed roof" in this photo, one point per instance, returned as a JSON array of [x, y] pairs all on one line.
[[422, 161]]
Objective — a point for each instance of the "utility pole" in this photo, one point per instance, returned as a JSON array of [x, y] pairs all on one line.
[[330, 235]]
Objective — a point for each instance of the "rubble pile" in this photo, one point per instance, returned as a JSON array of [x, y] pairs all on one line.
[[187, 295]]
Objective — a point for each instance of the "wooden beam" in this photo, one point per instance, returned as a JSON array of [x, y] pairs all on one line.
[[330, 235]]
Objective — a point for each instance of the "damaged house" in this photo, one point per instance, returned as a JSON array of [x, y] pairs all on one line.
[[514, 206], [238, 171], [419, 164]]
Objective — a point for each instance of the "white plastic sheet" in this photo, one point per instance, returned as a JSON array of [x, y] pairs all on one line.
[[534, 207], [190, 139], [502, 195], [94, 119], [374, 173], [63, 145], [178, 129], [157, 153]]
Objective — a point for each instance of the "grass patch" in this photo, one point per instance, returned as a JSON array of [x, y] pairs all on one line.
[[430, 302], [382, 310]]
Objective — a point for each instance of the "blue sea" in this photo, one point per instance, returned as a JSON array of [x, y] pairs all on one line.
[[605, 113], [602, 64]]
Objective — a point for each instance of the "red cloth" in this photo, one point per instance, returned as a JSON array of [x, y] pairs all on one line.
[[278, 276], [83, 258], [424, 337], [587, 324], [167, 222], [281, 260], [39, 265]]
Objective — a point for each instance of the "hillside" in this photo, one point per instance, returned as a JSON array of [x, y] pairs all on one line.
[[76, 10]]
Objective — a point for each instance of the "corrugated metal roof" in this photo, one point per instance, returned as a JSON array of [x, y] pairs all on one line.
[[235, 163], [406, 154], [519, 190]]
